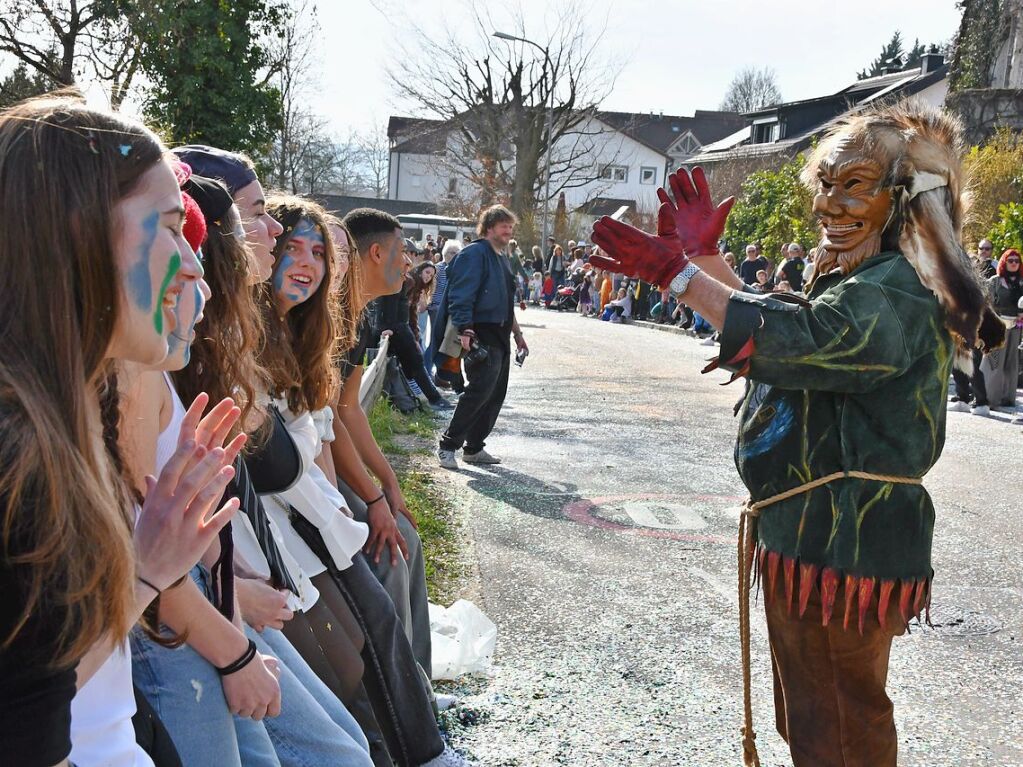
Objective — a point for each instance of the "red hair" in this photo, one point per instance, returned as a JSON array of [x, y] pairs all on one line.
[[1003, 270]]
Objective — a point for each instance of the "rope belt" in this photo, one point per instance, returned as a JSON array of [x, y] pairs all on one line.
[[747, 519]]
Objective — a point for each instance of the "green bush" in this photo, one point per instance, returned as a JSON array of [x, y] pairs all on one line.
[[774, 208], [995, 171], [1008, 230]]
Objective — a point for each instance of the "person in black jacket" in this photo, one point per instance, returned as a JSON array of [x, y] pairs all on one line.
[[394, 317]]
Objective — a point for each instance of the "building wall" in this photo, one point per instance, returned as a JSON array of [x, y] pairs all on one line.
[[424, 177]]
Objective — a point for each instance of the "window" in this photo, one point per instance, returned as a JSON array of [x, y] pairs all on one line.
[[765, 133], [615, 173], [648, 175], [688, 145], [452, 186]]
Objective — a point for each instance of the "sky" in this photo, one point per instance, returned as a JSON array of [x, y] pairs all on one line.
[[674, 56]]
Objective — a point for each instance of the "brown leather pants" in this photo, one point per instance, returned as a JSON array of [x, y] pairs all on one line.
[[829, 684]]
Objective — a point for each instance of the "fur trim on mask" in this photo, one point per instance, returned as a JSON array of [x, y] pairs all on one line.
[[922, 149]]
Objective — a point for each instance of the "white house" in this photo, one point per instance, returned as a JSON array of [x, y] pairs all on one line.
[[619, 158]]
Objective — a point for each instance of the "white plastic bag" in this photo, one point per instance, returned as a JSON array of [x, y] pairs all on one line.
[[463, 640]]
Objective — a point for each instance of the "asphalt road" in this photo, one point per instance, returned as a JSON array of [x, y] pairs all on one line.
[[606, 555]]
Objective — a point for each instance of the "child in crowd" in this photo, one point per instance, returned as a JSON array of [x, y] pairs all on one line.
[[548, 290], [535, 288]]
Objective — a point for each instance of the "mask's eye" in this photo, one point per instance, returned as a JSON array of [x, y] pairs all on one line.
[[851, 183], [826, 184]]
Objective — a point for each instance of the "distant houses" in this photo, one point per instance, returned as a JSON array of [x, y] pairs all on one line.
[[776, 133], [630, 156], [634, 152]]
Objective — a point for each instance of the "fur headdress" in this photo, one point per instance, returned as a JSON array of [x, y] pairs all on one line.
[[921, 150]]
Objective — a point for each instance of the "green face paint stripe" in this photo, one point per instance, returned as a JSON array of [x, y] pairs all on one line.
[[172, 269]]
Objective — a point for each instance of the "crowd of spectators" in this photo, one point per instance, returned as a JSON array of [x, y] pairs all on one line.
[[182, 584]]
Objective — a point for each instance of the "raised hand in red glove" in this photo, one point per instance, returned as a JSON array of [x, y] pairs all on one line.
[[697, 223], [688, 226], [634, 253]]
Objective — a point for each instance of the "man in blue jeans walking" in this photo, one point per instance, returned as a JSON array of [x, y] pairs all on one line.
[[479, 303]]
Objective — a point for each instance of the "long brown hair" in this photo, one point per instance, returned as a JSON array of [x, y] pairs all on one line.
[[301, 348], [419, 288], [224, 358], [65, 528]]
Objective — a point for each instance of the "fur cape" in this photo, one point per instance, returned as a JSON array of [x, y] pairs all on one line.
[[921, 149]]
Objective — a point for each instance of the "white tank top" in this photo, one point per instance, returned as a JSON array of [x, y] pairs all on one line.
[[102, 734], [167, 442]]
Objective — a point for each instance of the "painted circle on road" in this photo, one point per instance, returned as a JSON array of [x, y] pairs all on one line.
[[654, 515]]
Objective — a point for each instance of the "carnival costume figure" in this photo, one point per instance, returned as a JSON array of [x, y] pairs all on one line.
[[844, 411]]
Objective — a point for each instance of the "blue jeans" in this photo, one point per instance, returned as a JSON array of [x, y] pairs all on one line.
[[314, 728], [185, 690]]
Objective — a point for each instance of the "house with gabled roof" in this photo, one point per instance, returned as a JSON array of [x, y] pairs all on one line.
[[628, 156], [777, 133]]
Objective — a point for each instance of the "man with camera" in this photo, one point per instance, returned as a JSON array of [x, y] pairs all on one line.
[[479, 304]]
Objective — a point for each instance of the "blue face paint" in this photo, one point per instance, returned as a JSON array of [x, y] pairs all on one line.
[[140, 283], [182, 335], [311, 237], [283, 265]]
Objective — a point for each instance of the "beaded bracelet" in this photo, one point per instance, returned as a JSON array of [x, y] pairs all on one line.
[[242, 662]]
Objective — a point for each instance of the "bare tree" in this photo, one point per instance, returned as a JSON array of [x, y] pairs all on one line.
[[62, 40], [375, 155], [292, 71], [492, 100], [752, 89]]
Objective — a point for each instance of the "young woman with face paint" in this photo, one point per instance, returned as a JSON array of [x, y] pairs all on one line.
[[307, 290], [307, 724], [114, 272]]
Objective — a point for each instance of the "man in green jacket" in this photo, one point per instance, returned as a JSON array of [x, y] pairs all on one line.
[[844, 411]]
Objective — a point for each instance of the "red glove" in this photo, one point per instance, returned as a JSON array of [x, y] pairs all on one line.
[[697, 223], [637, 254], [689, 226]]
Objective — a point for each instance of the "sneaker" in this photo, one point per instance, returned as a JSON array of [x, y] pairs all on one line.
[[442, 404], [448, 758], [958, 407], [708, 341], [1018, 419], [447, 459], [981, 410], [481, 457]]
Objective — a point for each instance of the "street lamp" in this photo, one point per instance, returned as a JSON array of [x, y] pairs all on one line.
[[550, 127]]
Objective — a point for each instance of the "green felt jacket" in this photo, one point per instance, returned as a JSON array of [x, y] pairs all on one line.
[[855, 379]]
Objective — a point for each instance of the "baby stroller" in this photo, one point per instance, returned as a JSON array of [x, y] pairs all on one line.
[[566, 299]]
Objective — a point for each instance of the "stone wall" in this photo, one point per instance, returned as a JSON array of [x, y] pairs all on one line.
[[982, 110]]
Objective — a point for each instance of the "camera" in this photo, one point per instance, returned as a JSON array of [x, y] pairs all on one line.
[[476, 353]]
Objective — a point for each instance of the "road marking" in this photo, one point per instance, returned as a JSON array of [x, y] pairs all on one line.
[[729, 591]]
